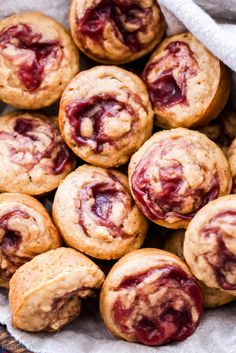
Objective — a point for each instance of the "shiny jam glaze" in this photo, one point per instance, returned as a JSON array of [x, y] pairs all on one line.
[[127, 18], [31, 53], [168, 201], [173, 69], [98, 109], [162, 322], [222, 260]]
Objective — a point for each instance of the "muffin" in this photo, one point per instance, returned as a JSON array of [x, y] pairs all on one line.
[[150, 297], [46, 293], [116, 31], [175, 173], [34, 156], [210, 244], [37, 60], [223, 129], [26, 230], [96, 214], [213, 297], [188, 86], [105, 115]]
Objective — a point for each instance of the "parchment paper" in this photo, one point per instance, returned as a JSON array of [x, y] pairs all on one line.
[[87, 334]]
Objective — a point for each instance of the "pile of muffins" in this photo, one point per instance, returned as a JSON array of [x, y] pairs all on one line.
[[170, 127]]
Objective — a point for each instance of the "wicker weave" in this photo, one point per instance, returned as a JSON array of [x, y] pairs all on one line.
[[9, 343]]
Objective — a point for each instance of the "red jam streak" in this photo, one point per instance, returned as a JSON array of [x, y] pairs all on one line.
[[121, 15], [27, 43], [11, 239], [169, 88], [63, 156], [169, 201], [104, 194], [164, 323], [98, 109], [29, 129], [224, 261], [10, 243]]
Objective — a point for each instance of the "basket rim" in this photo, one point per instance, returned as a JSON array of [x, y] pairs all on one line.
[[9, 343]]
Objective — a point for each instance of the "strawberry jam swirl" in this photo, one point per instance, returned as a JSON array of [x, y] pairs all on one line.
[[167, 77], [158, 306], [11, 240], [222, 260], [101, 120], [128, 19], [35, 141], [161, 188], [24, 49], [106, 204]]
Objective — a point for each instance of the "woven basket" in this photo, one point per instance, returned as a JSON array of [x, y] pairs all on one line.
[[9, 343]]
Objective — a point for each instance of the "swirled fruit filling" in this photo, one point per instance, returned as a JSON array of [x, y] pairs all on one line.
[[11, 239], [222, 260], [168, 201], [33, 130], [21, 45], [152, 319], [106, 203], [170, 86], [127, 19], [94, 122], [24, 127]]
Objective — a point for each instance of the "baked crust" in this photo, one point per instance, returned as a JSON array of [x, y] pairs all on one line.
[[45, 293], [26, 230], [213, 297], [34, 157], [96, 214], [116, 32], [188, 85], [138, 292], [175, 173], [210, 244], [37, 60], [105, 115]]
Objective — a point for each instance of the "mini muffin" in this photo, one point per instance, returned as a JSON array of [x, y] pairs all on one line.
[[26, 230], [188, 86], [175, 173], [34, 156], [213, 297], [231, 155], [223, 129], [105, 115], [37, 60], [45, 293], [210, 244], [96, 214], [116, 31], [150, 297]]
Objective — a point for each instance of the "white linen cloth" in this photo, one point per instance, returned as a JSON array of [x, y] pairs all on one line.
[[216, 333]]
